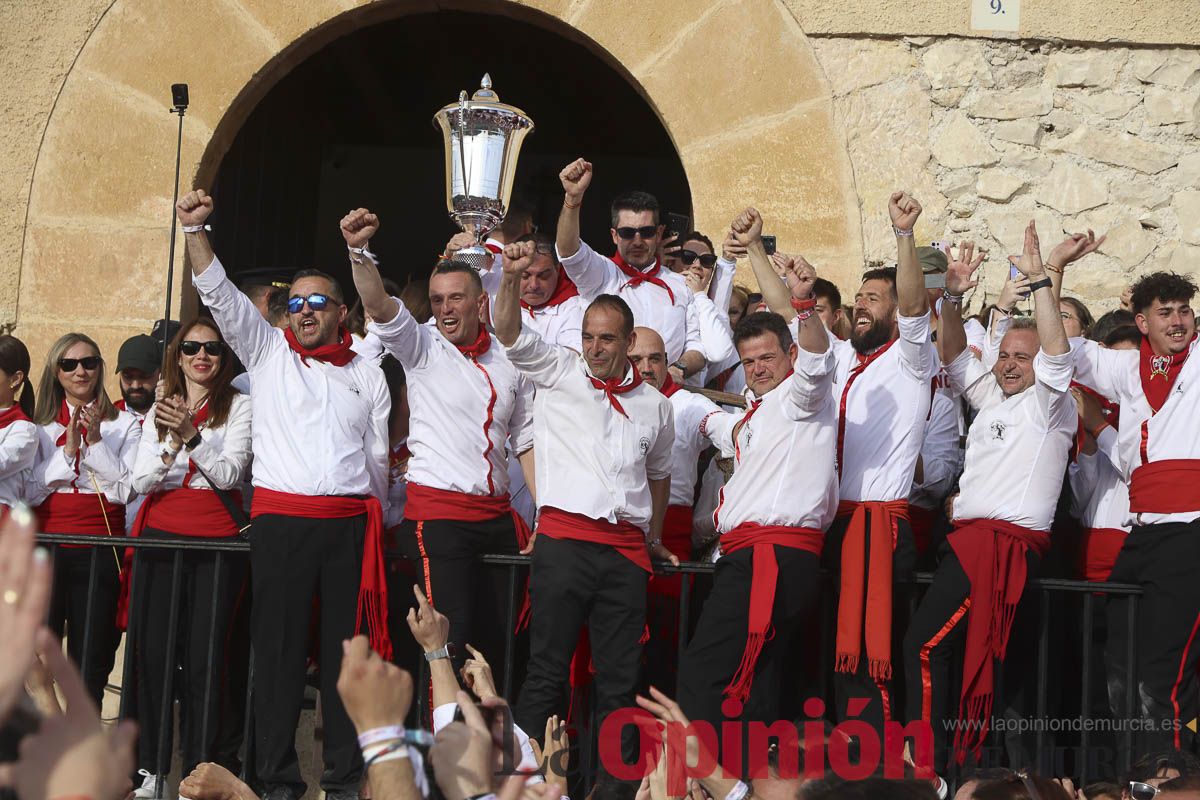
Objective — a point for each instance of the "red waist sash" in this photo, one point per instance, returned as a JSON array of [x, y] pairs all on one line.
[[187, 512], [372, 589], [627, 538], [865, 601], [1171, 486], [677, 531], [921, 520], [762, 538], [425, 503], [80, 513], [992, 554], [1098, 552]]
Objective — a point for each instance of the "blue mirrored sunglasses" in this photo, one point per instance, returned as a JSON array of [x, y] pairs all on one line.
[[316, 302]]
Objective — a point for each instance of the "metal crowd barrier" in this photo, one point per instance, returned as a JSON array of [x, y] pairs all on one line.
[[1049, 760]]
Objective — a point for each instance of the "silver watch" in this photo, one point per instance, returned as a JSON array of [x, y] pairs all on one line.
[[445, 651]]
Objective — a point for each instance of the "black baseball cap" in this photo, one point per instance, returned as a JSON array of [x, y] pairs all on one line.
[[139, 352]]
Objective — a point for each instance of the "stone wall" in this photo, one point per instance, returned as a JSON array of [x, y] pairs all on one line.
[[989, 134]]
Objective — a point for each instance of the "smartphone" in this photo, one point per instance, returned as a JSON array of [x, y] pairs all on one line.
[[769, 244], [677, 225], [943, 246], [1015, 274]]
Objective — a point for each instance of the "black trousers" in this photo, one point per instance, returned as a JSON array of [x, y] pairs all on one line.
[[206, 597], [83, 605], [294, 561], [937, 631], [573, 582], [883, 702], [715, 651], [471, 595], [1165, 560]]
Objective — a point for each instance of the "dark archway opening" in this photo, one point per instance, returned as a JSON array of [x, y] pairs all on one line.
[[351, 126]]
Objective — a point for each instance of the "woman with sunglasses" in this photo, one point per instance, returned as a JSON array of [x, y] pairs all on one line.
[[82, 481], [18, 434], [196, 437]]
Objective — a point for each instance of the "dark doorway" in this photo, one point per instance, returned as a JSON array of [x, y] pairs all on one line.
[[351, 126]]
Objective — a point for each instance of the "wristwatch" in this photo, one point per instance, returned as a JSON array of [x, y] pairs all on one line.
[[679, 366], [1044, 283], [194, 442], [445, 651]]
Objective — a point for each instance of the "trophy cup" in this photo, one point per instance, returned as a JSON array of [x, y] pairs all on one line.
[[482, 138]]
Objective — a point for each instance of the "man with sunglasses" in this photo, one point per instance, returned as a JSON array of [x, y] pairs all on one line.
[[659, 298], [320, 435], [468, 405]]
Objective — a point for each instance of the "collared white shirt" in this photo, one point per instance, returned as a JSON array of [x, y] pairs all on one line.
[[1018, 446], [462, 413], [784, 452], [224, 453], [1099, 494], [561, 324], [674, 320], [691, 439], [591, 459], [1172, 433], [941, 452], [885, 411], [107, 464], [318, 429], [18, 454]]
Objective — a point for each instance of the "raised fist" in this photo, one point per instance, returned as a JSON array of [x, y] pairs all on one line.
[[194, 207], [904, 210], [801, 276], [730, 249], [358, 227], [576, 178], [960, 270], [747, 227], [518, 256]]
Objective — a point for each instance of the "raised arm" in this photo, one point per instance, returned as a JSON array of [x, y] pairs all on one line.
[[1070, 249], [357, 229], [958, 282], [747, 231], [1051, 334], [910, 280], [506, 313], [576, 177]]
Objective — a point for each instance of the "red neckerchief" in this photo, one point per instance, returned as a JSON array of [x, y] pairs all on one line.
[[669, 386], [120, 405], [863, 363], [637, 276], [564, 291], [613, 387], [750, 409], [1165, 367], [338, 354], [64, 419], [482, 343], [15, 414], [199, 417]]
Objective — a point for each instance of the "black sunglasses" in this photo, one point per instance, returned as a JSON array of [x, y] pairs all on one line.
[[90, 363], [190, 348], [316, 302], [689, 257], [646, 232], [1142, 791]]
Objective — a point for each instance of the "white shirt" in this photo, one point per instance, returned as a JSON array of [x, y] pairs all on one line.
[[135, 502], [784, 472], [885, 412], [318, 429], [1099, 494], [690, 411], [462, 413], [941, 455], [674, 320], [18, 454], [1018, 446], [109, 462], [561, 324], [223, 453], [591, 459], [1172, 433]]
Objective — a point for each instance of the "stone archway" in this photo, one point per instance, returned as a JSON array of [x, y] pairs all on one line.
[[752, 121]]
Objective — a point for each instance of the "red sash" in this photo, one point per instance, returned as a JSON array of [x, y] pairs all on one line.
[[762, 587], [627, 538], [992, 554], [921, 521], [637, 276], [677, 531], [339, 354], [564, 291], [1154, 367], [1098, 549], [1170, 486], [425, 503], [80, 513], [372, 590], [187, 512], [865, 601]]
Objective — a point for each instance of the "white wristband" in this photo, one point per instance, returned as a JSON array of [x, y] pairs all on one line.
[[738, 791], [362, 252], [196, 228]]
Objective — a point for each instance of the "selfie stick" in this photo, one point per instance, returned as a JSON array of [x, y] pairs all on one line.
[[179, 96]]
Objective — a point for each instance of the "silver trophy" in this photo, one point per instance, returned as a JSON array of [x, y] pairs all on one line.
[[482, 137]]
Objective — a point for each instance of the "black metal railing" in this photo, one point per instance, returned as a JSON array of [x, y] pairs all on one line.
[[1049, 759]]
